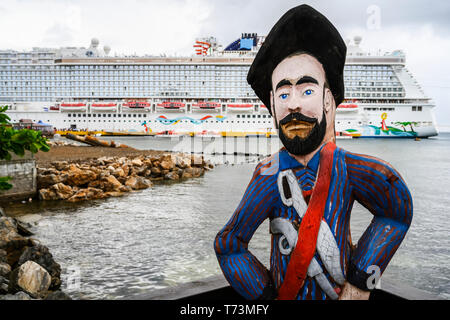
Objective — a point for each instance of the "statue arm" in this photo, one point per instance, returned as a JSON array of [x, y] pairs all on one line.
[[380, 189], [245, 273]]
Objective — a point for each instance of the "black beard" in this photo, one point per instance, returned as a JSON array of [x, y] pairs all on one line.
[[298, 146]]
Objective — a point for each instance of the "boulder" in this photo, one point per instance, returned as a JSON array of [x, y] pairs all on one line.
[[57, 295], [137, 183], [18, 296], [79, 177], [111, 183], [31, 278], [5, 269], [60, 165], [137, 162], [182, 162], [87, 194], [11, 241], [58, 191], [186, 175], [172, 176], [4, 285], [44, 181], [156, 171], [42, 256], [167, 163], [126, 169]]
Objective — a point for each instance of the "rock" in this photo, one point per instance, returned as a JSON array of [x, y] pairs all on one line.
[[118, 173], [80, 177], [114, 194], [60, 165], [167, 163], [57, 295], [4, 285], [32, 278], [125, 189], [57, 191], [136, 162], [10, 241], [30, 218], [182, 162], [44, 181], [42, 256], [62, 191], [2, 212], [186, 175], [18, 296], [156, 171], [126, 169], [138, 183], [87, 194], [111, 183], [3, 255], [5, 269], [172, 176]]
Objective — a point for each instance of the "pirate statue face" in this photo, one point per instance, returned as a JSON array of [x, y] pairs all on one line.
[[298, 72], [301, 103]]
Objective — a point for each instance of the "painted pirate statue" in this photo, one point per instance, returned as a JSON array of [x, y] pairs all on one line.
[[307, 189]]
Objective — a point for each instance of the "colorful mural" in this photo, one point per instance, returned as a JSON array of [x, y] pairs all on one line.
[[383, 130], [164, 120]]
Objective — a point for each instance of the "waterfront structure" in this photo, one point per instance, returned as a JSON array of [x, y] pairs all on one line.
[[207, 93]]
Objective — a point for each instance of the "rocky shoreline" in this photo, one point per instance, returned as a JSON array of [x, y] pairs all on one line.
[[90, 179], [27, 268]]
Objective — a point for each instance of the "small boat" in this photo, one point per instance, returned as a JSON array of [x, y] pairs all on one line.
[[136, 105], [73, 107], [171, 106], [104, 107], [347, 107], [206, 106], [240, 107]]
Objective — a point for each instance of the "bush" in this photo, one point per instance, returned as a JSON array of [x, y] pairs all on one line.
[[17, 141]]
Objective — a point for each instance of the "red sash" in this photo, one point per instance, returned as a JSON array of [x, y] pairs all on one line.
[[304, 251]]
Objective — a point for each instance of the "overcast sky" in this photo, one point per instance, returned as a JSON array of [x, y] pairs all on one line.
[[420, 28]]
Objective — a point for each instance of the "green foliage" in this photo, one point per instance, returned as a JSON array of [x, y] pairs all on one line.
[[17, 141], [4, 185]]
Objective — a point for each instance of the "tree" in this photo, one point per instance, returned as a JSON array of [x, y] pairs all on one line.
[[17, 141]]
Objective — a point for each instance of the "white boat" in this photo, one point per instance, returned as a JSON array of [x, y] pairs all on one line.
[[206, 92]]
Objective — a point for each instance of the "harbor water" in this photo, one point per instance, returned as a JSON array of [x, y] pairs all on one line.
[[163, 236]]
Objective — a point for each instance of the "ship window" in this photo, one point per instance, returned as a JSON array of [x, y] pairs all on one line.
[[419, 108], [414, 108], [69, 115]]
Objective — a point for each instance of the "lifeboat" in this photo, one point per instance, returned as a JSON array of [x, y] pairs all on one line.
[[104, 106], [73, 107], [206, 106], [171, 105], [240, 107], [136, 105], [263, 109], [347, 107]]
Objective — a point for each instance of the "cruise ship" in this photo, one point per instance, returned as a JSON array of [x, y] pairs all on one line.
[[87, 89]]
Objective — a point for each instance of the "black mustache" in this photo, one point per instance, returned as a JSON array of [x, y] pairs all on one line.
[[297, 116]]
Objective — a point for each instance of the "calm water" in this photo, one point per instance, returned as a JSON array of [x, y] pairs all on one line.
[[159, 237]]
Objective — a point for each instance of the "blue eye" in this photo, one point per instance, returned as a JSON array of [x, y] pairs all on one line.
[[308, 92], [284, 96]]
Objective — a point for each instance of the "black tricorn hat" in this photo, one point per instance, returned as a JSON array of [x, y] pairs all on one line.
[[300, 29]]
